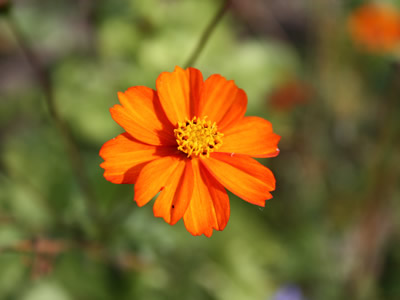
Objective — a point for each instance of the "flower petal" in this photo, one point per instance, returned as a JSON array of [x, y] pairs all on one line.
[[243, 176], [222, 101], [178, 92], [251, 136], [154, 176], [209, 206], [124, 157], [142, 117], [174, 199]]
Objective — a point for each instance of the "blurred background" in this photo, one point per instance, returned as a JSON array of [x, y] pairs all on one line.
[[326, 73]]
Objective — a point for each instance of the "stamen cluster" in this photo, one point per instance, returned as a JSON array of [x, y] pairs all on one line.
[[198, 137]]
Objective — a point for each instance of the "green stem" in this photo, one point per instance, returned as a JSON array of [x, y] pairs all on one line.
[[207, 33]]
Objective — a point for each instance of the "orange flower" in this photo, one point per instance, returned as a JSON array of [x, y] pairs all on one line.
[[289, 94], [189, 140], [376, 26]]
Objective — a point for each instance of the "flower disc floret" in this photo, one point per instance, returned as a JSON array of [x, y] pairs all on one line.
[[198, 137]]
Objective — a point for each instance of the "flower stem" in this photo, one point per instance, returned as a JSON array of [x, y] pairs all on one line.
[[377, 219], [44, 81], [207, 33]]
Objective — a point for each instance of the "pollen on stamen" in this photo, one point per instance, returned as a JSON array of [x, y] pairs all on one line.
[[198, 137]]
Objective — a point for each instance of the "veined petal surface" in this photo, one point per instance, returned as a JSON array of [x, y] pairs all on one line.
[[174, 199], [209, 206], [222, 101], [124, 157], [155, 175], [251, 136], [141, 115], [179, 93], [243, 176]]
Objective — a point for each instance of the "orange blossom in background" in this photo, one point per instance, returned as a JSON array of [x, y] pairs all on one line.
[[375, 27], [290, 94], [189, 139]]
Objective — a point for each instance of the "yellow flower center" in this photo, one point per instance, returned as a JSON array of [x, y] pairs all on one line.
[[198, 137]]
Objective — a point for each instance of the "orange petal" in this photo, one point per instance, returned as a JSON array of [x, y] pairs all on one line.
[[243, 176], [124, 157], [178, 92], [154, 176], [209, 206], [196, 84], [174, 199], [222, 101], [251, 136], [142, 117]]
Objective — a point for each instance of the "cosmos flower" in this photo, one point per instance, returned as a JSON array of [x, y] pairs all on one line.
[[290, 94], [375, 27], [189, 140]]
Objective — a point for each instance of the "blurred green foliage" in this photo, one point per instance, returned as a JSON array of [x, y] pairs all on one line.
[[332, 228]]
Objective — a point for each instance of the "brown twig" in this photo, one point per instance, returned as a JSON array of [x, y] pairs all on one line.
[[40, 254], [207, 33], [376, 224]]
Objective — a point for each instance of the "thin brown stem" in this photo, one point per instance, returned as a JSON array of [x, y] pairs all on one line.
[[207, 33], [376, 224], [44, 81]]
